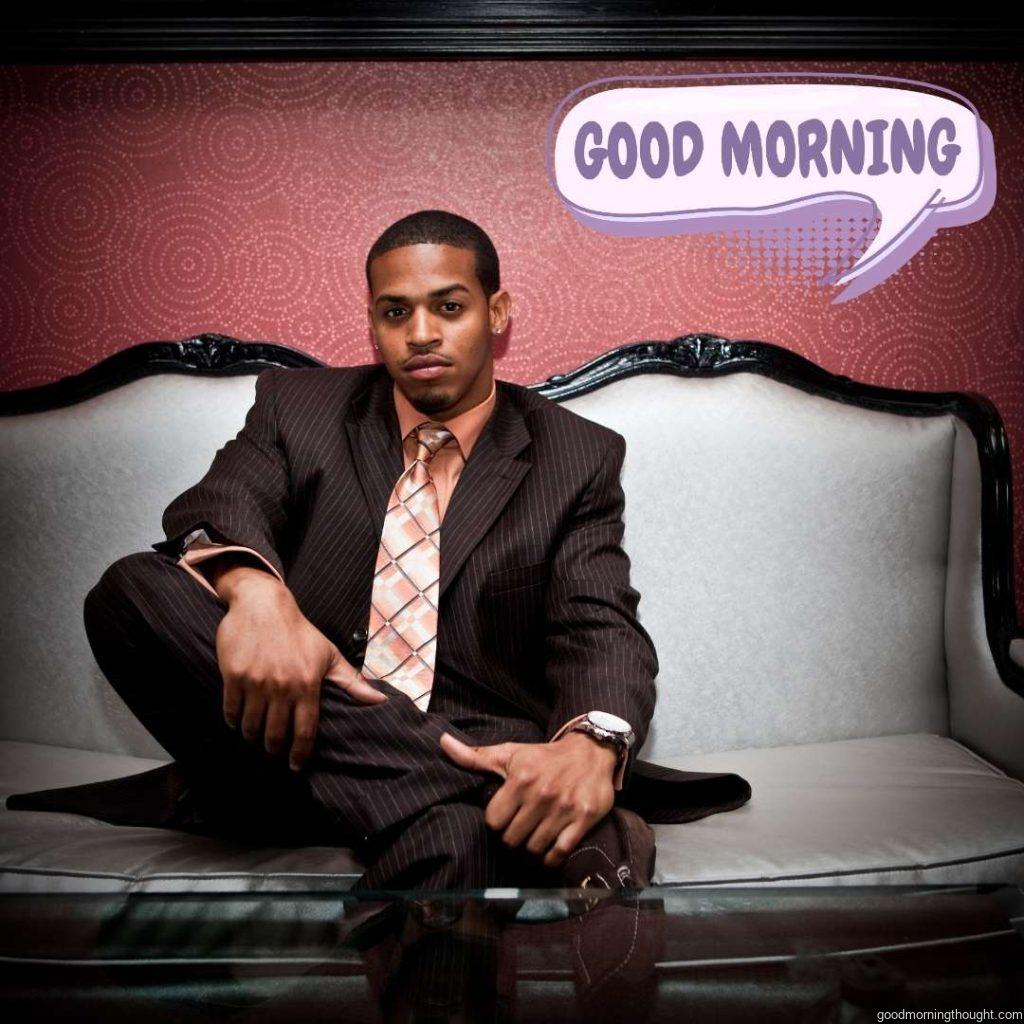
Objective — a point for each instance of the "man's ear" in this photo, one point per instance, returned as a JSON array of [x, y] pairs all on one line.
[[500, 308], [369, 327]]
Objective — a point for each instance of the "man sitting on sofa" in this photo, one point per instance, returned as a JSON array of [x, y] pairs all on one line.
[[463, 705]]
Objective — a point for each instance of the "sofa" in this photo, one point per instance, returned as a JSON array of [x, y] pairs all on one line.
[[825, 567]]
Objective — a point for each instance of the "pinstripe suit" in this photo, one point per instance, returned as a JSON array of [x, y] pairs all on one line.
[[537, 618]]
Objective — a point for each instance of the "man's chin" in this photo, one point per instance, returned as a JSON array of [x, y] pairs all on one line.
[[432, 400]]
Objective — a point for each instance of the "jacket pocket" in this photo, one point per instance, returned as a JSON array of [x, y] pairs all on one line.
[[518, 576]]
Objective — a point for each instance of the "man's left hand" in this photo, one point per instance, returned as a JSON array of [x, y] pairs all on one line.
[[553, 793]]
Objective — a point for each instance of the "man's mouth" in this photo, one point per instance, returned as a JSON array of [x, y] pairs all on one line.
[[425, 367]]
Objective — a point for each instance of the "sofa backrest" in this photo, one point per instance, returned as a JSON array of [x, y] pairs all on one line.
[[790, 552], [82, 486]]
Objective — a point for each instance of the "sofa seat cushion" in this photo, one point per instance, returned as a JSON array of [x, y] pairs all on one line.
[[904, 809], [49, 852]]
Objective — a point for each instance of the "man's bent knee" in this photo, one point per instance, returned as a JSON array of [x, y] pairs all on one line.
[[120, 582]]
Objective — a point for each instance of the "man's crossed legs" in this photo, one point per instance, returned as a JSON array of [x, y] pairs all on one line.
[[378, 779]]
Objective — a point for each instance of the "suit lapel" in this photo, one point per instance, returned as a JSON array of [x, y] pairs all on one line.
[[487, 482], [489, 478], [372, 426]]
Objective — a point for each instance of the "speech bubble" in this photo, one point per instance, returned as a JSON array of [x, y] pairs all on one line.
[[653, 159]]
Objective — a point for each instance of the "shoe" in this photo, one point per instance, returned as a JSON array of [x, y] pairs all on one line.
[[158, 798], [617, 937], [618, 853]]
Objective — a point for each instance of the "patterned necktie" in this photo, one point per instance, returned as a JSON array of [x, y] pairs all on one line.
[[403, 606]]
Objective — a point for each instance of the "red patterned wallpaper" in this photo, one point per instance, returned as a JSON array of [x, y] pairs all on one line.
[[155, 201]]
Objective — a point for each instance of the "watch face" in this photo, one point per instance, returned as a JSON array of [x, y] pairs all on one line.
[[612, 723]]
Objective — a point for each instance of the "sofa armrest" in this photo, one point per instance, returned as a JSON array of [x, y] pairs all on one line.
[[1017, 650], [984, 670]]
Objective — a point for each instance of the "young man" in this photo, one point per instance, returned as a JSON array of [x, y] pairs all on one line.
[[396, 610]]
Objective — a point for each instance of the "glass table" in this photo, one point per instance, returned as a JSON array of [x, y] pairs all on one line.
[[664, 954]]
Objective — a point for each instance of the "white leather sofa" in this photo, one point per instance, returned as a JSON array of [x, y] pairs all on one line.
[[824, 567]]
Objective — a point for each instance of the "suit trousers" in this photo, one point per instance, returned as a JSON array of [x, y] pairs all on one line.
[[377, 780]]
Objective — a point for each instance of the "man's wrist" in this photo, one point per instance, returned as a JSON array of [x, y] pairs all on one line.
[[602, 752], [232, 576]]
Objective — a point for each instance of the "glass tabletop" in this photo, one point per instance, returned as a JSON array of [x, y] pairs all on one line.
[[664, 953]]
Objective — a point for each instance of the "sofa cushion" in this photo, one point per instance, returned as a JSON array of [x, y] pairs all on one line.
[[48, 852], [905, 809]]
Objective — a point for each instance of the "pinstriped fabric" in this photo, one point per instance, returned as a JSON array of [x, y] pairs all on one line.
[[306, 483], [538, 621], [141, 612], [374, 766], [454, 844]]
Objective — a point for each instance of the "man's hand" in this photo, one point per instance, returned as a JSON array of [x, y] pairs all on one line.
[[273, 660], [553, 793]]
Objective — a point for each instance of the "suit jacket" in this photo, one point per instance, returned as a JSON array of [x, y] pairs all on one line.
[[537, 618]]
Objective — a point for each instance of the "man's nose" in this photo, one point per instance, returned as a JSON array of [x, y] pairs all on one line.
[[422, 328]]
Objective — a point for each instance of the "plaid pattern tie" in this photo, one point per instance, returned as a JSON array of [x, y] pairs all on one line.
[[403, 606]]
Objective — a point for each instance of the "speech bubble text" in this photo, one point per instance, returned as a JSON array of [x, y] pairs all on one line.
[[678, 159]]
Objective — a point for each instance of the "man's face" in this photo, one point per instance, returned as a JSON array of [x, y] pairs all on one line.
[[426, 301]]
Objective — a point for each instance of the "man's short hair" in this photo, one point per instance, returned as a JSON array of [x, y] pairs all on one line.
[[442, 228]]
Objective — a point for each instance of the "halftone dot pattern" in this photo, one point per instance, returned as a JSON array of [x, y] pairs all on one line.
[[143, 201], [815, 253]]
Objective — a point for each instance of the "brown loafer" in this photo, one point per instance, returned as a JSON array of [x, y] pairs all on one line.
[[617, 853]]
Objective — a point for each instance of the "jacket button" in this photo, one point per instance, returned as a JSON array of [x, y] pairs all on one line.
[[359, 635]]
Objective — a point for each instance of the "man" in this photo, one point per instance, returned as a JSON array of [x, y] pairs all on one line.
[[396, 610]]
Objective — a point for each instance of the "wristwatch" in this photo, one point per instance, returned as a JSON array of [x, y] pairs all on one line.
[[607, 728]]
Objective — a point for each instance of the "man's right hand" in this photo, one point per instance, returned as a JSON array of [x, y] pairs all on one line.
[[273, 660]]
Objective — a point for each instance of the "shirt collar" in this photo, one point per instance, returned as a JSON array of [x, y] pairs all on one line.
[[466, 426]]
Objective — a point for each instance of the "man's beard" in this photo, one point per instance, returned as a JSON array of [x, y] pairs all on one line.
[[431, 402]]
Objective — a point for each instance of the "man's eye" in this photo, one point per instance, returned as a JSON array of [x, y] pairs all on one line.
[[452, 302], [393, 309]]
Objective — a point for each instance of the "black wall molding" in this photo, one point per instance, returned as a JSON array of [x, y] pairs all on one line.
[[189, 30], [692, 355]]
